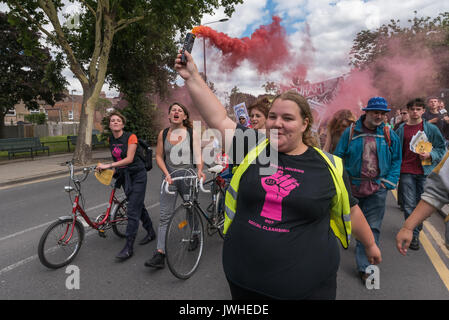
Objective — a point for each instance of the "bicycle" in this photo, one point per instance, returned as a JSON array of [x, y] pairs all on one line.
[[184, 240], [217, 205], [62, 240]]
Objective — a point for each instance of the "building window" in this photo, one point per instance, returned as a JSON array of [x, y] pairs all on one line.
[[70, 115], [11, 113]]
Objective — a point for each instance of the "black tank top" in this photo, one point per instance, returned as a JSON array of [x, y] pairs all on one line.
[[119, 150]]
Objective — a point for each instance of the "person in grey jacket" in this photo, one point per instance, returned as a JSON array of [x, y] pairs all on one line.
[[435, 196]]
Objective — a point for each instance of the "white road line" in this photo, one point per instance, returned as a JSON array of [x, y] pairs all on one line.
[[29, 259], [34, 257], [48, 223], [44, 225], [25, 231], [18, 264]]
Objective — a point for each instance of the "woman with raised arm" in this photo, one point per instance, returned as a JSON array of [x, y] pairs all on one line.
[[282, 217]]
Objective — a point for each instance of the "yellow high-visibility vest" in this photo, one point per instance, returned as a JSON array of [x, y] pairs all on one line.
[[340, 220]]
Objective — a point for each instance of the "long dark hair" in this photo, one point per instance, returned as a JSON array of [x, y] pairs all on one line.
[[187, 122]]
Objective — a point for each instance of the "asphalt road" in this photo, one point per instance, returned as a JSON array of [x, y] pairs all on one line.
[[26, 210]]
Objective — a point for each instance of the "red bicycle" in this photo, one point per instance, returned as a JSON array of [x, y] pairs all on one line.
[[62, 240]]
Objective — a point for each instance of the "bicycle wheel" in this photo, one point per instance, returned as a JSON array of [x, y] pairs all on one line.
[[120, 220], [184, 242], [219, 215], [216, 219], [60, 243]]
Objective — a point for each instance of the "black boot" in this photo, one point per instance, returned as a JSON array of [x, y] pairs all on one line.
[[151, 235], [147, 224], [127, 252], [157, 261]]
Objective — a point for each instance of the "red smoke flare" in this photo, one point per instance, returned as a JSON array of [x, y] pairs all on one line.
[[267, 48]]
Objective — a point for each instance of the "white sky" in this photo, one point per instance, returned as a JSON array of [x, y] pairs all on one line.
[[333, 25]]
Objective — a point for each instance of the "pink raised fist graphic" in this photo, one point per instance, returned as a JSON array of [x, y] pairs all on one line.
[[277, 187]]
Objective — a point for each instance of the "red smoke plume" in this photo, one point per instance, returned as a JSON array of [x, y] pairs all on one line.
[[267, 48], [403, 74]]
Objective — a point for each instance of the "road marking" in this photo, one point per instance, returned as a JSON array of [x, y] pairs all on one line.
[[44, 224], [50, 222], [19, 184], [395, 194], [434, 257], [34, 257], [18, 264], [29, 259], [439, 265], [25, 231], [437, 237]]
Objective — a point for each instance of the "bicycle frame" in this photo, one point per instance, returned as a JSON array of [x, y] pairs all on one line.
[[77, 208], [94, 225], [193, 202]]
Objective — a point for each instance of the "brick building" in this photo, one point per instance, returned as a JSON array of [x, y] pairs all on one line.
[[67, 110]]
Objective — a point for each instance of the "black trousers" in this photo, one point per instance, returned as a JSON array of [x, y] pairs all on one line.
[[327, 290], [136, 208]]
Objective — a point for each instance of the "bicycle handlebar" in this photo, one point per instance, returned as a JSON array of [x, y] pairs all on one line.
[[200, 183], [86, 171]]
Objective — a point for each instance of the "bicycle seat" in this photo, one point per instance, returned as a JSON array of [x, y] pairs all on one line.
[[216, 169]]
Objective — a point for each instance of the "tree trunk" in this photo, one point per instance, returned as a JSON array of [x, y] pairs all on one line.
[[2, 125], [83, 150]]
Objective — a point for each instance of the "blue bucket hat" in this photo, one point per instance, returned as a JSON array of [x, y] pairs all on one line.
[[377, 104]]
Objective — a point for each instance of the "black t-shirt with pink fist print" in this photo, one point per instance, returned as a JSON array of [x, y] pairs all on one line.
[[280, 243]]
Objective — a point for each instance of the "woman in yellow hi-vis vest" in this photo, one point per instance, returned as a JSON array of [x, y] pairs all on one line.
[[288, 202]]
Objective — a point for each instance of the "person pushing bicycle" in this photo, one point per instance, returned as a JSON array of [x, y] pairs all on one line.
[[132, 176], [177, 150]]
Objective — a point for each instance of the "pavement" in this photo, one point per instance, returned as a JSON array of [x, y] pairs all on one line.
[[23, 170]]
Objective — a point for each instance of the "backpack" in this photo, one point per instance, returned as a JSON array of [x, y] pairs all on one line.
[[386, 134], [145, 153]]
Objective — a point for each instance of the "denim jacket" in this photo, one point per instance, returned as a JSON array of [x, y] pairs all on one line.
[[389, 158], [435, 138]]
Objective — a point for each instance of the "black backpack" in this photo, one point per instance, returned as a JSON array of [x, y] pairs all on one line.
[[145, 153]]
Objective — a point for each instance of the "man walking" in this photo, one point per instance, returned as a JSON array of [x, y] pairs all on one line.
[[433, 114], [372, 158], [416, 166]]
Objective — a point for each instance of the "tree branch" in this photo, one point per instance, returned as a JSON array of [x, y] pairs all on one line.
[[126, 22], [52, 14], [98, 41], [33, 21], [89, 7], [105, 50]]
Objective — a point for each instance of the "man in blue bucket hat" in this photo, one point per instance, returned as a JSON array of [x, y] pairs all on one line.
[[372, 157]]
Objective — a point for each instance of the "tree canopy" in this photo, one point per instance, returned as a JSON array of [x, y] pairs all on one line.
[[28, 73], [127, 42], [397, 55]]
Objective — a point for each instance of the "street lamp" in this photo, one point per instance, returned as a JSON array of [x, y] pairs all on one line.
[[204, 46], [71, 96], [73, 112]]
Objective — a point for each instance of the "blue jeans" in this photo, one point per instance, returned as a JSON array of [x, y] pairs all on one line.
[[412, 188], [373, 208]]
